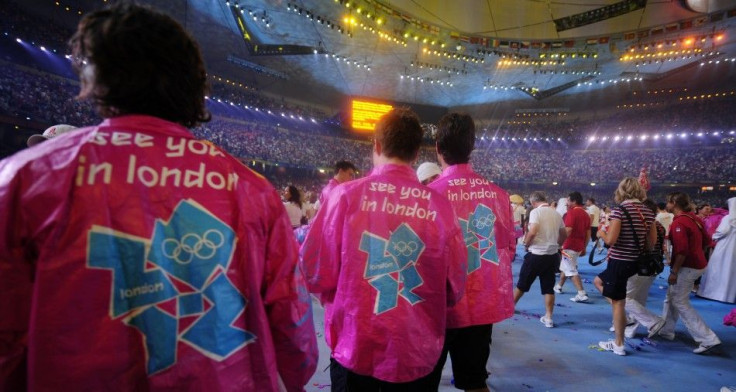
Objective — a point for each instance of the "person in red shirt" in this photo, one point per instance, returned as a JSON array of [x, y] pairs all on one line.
[[577, 222], [688, 237]]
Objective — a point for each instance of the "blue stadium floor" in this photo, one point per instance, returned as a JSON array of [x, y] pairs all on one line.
[[526, 356]]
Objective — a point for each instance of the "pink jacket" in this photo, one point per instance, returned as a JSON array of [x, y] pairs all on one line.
[[387, 257], [326, 191], [485, 215], [136, 257]]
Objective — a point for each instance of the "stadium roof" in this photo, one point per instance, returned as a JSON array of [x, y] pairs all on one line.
[[462, 53]]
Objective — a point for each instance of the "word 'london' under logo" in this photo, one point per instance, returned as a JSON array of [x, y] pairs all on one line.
[[173, 287], [391, 266]]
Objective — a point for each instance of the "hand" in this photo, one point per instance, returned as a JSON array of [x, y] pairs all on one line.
[[672, 279]]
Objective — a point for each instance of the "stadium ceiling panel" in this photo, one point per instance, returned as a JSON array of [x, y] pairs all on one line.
[[463, 53]]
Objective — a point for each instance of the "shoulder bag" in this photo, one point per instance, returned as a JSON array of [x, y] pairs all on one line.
[[647, 264]]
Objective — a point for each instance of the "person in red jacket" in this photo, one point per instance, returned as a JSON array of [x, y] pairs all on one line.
[[689, 238], [136, 257]]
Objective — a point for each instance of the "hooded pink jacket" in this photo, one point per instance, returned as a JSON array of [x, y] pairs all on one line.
[[387, 257], [486, 218], [136, 257]]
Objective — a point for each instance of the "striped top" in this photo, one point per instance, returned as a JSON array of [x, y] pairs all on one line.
[[625, 247]]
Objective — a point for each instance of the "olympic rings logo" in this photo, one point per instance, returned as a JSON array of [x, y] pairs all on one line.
[[191, 245], [483, 222], [404, 248]]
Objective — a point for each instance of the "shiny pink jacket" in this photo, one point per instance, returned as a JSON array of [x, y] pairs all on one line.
[[386, 255], [326, 191], [485, 215], [136, 257]]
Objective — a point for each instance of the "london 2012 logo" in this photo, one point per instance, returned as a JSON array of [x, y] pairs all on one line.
[[194, 250], [480, 239], [391, 266]]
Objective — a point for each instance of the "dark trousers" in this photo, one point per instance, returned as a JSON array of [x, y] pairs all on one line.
[[344, 380], [469, 352]]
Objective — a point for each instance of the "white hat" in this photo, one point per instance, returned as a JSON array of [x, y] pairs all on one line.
[[50, 133], [428, 170]]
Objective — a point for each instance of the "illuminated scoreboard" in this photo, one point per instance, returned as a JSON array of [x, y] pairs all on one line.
[[365, 114]]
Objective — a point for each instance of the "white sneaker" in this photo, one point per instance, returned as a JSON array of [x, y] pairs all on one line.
[[656, 328], [547, 322], [557, 289], [629, 322], [669, 336], [630, 330], [580, 298], [610, 345], [704, 349]]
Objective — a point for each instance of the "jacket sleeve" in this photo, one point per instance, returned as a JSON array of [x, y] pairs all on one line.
[[288, 305], [723, 229], [16, 281], [320, 252], [680, 240], [457, 269], [511, 230]]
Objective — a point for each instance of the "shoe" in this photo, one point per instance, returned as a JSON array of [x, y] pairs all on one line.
[[654, 330], [580, 298], [547, 322], [610, 345], [703, 349], [728, 389], [630, 330], [629, 322], [669, 336], [557, 289]]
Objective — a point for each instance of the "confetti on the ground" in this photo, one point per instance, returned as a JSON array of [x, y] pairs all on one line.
[[596, 347], [528, 386], [649, 342], [541, 360]]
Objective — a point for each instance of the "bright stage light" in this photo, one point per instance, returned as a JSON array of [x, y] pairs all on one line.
[[629, 137], [669, 136], [617, 138]]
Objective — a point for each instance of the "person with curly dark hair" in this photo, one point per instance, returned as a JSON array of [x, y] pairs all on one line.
[[132, 61], [137, 257], [293, 205]]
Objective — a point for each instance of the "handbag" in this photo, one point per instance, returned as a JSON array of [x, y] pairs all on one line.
[[647, 264]]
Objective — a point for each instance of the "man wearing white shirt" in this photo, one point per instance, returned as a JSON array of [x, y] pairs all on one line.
[[664, 218], [543, 240], [595, 214]]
